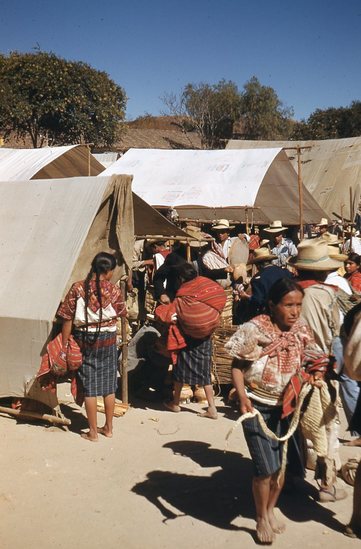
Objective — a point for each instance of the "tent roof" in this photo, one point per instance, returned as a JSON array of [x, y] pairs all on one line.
[[48, 162], [214, 184], [329, 168], [73, 161], [44, 224]]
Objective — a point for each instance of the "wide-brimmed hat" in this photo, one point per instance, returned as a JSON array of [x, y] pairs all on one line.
[[222, 224], [336, 254], [331, 239], [275, 227], [262, 254], [323, 222], [313, 256], [194, 232]]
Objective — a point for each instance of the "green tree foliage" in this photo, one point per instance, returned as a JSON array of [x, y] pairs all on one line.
[[209, 109], [332, 123], [58, 102], [263, 115]]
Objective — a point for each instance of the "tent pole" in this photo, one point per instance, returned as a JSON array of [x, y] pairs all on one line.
[[300, 191], [35, 415], [299, 149], [124, 361]]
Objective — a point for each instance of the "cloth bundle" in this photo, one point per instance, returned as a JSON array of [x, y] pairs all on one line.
[[198, 305]]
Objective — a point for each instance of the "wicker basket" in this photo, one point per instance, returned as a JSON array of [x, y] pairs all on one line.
[[226, 316], [221, 361]]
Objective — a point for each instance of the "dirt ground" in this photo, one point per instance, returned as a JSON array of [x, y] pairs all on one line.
[[163, 480]]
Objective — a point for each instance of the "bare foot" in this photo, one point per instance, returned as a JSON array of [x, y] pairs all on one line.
[[87, 436], [105, 431], [172, 407], [211, 413], [264, 531], [277, 526], [354, 442]]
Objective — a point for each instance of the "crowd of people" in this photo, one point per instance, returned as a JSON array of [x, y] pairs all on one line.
[[295, 306]]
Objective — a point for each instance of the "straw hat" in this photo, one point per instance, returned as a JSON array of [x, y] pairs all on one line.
[[331, 239], [323, 222], [262, 254], [222, 224], [313, 256], [275, 227], [335, 253], [196, 233]]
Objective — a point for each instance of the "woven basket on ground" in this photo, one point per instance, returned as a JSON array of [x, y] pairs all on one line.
[[221, 361]]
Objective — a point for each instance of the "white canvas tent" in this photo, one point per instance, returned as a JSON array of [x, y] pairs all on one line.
[[47, 163], [329, 168], [72, 161], [50, 231], [259, 185]]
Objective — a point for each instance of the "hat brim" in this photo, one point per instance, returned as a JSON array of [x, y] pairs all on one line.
[[269, 257], [275, 230], [317, 265], [339, 257], [222, 227]]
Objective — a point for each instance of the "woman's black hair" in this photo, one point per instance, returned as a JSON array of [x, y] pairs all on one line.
[[101, 264], [355, 258], [282, 287], [186, 272]]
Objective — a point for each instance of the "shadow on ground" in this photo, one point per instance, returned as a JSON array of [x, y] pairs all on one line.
[[226, 494]]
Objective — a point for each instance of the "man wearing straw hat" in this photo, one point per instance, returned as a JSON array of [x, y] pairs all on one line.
[[283, 248], [321, 312]]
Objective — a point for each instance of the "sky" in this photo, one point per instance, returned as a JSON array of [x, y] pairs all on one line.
[[309, 52]]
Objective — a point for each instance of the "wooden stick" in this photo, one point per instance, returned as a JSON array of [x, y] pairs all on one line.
[[124, 362], [35, 415], [300, 191]]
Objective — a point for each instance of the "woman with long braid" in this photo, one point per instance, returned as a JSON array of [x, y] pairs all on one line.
[[89, 311]]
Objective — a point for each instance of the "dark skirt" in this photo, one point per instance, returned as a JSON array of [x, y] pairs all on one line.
[[98, 372], [194, 363], [266, 453]]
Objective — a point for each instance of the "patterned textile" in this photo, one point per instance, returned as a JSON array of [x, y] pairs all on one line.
[[254, 241], [194, 363], [198, 304], [354, 279], [98, 372], [265, 452], [175, 338], [272, 357], [46, 373], [113, 306], [283, 251], [212, 260]]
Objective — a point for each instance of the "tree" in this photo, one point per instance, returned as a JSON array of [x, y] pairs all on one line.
[[263, 115], [209, 109], [58, 102], [331, 123]]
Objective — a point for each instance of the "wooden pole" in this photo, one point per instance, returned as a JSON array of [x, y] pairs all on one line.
[[352, 218], [298, 149], [189, 258], [124, 360], [35, 415], [300, 191]]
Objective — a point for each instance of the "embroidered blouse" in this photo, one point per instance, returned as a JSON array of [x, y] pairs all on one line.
[[270, 358], [113, 306]]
